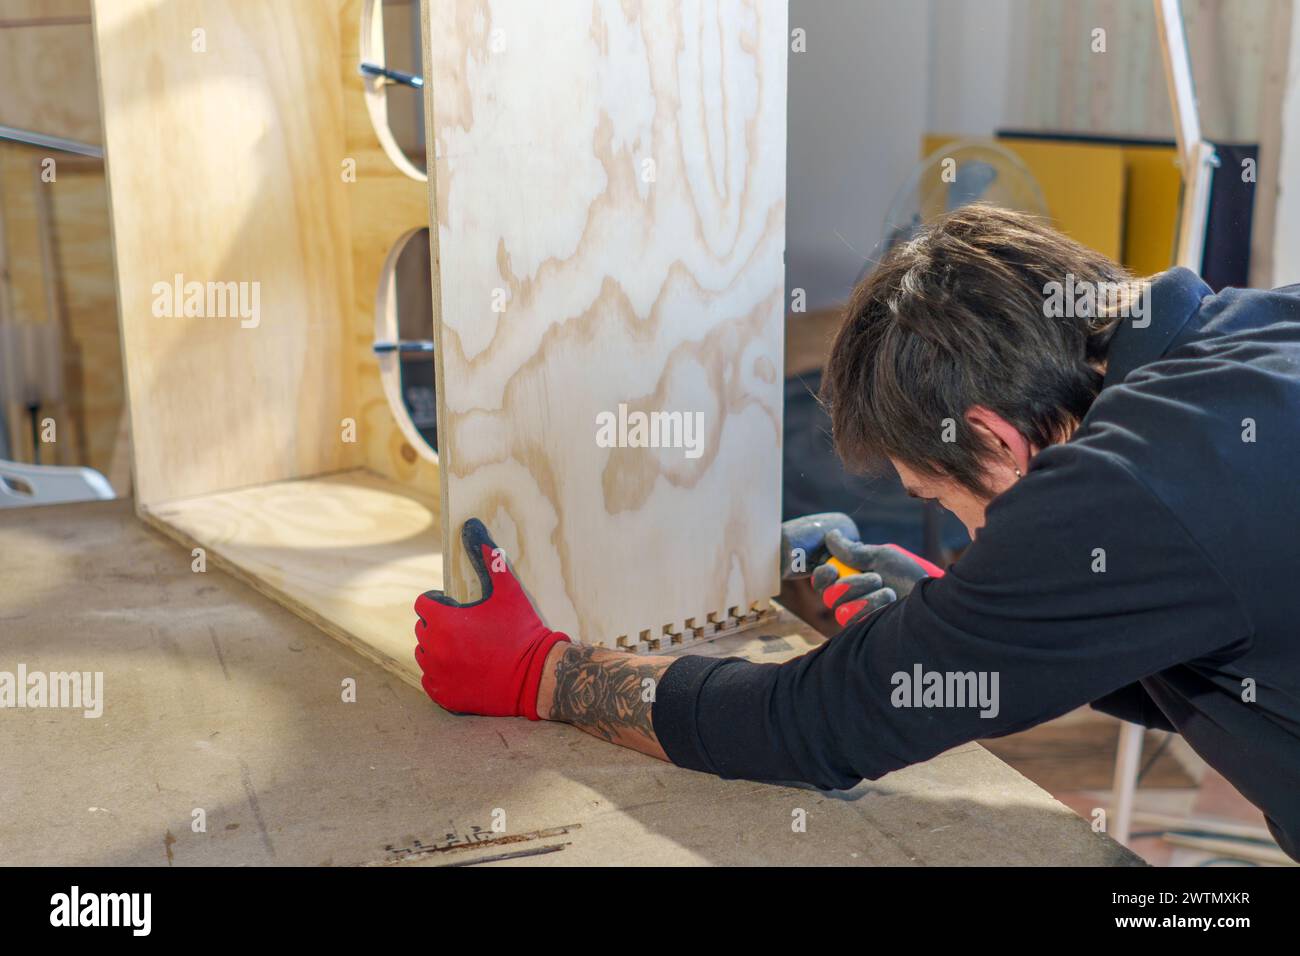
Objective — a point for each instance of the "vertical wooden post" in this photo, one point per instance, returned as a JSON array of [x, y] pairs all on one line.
[[1196, 156]]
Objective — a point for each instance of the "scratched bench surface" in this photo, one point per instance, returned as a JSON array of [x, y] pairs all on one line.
[[218, 700]]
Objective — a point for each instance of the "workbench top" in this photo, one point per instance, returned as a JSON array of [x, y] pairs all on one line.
[[217, 699]]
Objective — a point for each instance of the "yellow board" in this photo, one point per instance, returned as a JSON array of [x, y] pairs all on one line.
[[1151, 217], [1082, 184], [1120, 200]]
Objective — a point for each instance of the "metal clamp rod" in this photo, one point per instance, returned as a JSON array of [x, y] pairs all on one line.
[[15, 135], [393, 76], [406, 345]]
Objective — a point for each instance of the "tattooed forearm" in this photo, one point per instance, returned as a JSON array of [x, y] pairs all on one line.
[[609, 694]]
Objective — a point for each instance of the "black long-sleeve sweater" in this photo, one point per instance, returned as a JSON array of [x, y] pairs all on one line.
[[1150, 566]]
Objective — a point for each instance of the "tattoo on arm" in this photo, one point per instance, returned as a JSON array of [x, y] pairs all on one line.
[[609, 694]]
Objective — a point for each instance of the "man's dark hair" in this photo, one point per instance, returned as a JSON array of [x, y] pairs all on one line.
[[956, 317]]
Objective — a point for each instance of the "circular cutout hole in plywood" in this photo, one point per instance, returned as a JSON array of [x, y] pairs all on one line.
[[404, 341], [391, 42]]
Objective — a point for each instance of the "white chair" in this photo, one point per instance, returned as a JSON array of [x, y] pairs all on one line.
[[23, 485], [1124, 792]]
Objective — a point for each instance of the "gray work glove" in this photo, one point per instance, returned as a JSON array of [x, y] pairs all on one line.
[[807, 543], [884, 566]]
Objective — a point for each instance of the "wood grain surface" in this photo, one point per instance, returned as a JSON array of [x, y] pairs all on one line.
[[20, 214], [56, 265], [224, 166], [348, 552], [351, 552], [609, 191], [240, 446]]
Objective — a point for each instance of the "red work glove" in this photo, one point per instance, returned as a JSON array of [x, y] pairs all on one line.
[[485, 657], [886, 573]]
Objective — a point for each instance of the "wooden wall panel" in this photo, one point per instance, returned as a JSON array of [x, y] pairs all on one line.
[[47, 68], [610, 200], [24, 276], [82, 266], [1058, 84], [56, 268], [22, 298], [225, 165], [59, 258]]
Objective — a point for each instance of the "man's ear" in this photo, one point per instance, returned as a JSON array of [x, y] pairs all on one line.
[[1009, 450]]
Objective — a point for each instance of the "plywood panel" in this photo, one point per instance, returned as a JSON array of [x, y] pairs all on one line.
[[385, 203], [31, 372], [82, 266], [57, 266], [609, 193], [47, 68], [348, 552], [20, 210], [224, 166]]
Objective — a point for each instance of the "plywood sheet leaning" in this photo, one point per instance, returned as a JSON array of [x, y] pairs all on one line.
[[609, 190]]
